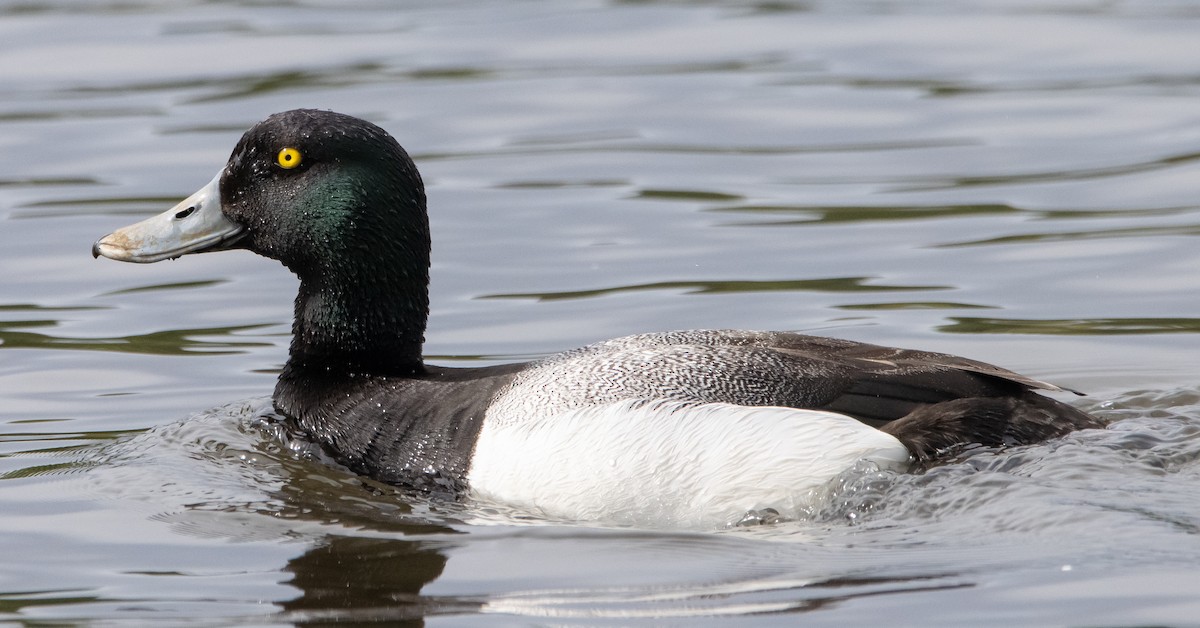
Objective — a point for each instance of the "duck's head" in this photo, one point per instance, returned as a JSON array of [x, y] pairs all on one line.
[[298, 187], [340, 203]]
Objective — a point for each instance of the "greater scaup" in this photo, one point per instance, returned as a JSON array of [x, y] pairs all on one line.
[[689, 428]]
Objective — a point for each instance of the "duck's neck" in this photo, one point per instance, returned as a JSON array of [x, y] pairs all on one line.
[[350, 329], [364, 311], [360, 325], [364, 278]]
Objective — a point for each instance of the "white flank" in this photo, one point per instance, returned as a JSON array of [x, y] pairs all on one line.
[[671, 463]]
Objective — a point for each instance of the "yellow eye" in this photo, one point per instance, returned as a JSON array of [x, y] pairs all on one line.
[[288, 158]]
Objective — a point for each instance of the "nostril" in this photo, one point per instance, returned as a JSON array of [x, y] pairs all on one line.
[[185, 213]]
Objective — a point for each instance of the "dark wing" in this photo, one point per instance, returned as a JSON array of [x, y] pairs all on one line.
[[932, 431], [934, 402], [882, 384]]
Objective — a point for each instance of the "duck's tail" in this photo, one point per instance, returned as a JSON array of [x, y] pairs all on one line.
[[937, 430]]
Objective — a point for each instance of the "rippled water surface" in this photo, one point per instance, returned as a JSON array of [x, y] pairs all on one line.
[[1012, 181]]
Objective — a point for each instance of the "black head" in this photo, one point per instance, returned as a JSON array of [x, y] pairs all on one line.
[[339, 202], [311, 187]]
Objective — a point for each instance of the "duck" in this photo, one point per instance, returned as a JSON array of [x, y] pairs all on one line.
[[669, 429]]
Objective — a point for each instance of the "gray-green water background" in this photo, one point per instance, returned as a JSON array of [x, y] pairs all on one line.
[[1015, 181]]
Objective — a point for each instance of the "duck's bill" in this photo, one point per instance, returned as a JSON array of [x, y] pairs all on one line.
[[196, 224]]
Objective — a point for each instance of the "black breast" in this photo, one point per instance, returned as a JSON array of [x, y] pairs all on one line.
[[418, 432]]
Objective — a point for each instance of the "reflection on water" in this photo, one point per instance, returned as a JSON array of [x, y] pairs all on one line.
[[1060, 236], [354, 579], [365, 553], [866, 214], [1087, 327], [1081, 174], [169, 342], [832, 284], [98, 206]]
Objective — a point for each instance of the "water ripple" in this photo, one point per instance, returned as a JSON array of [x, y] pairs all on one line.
[[832, 284]]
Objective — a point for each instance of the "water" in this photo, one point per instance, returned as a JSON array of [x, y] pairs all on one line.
[[1013, 181]]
